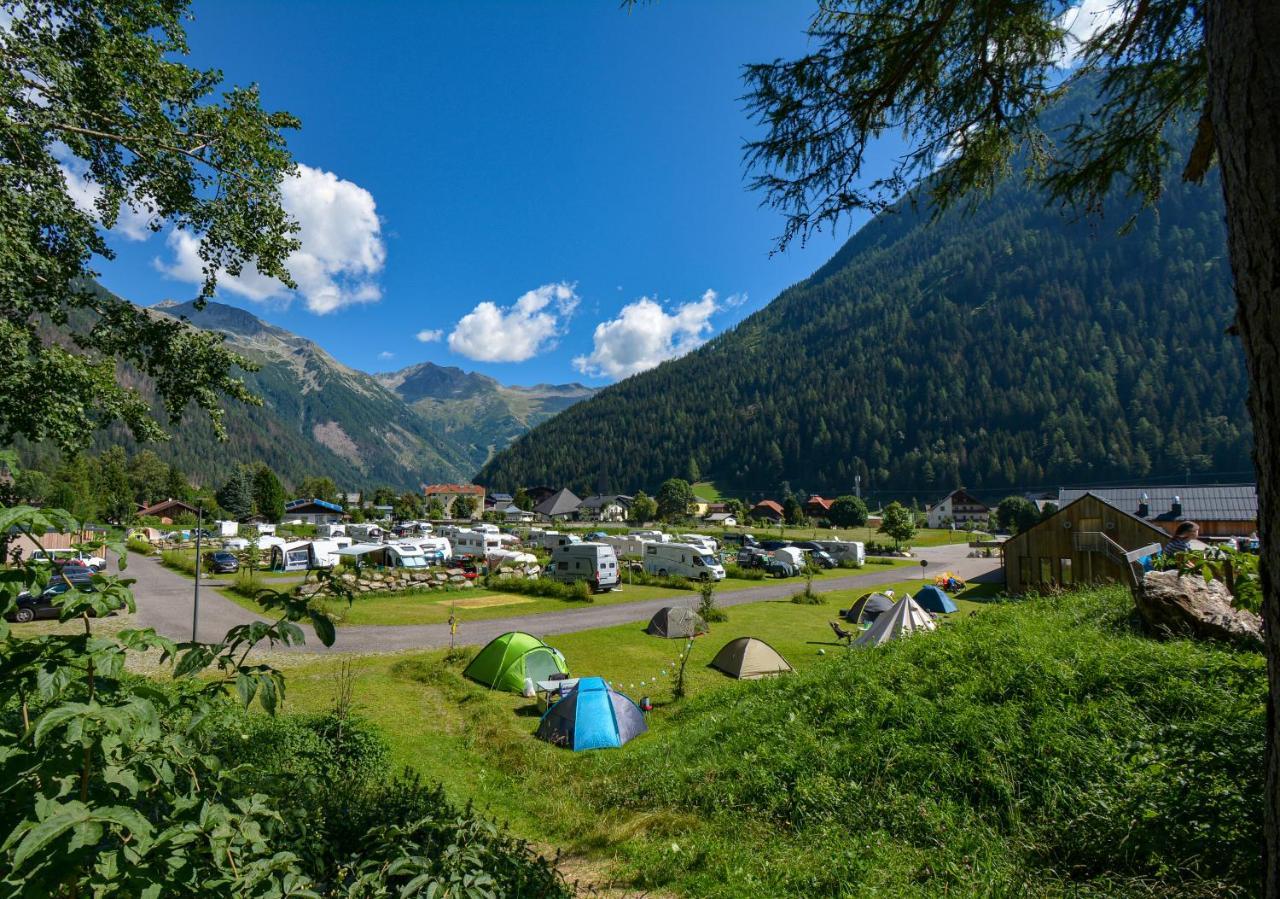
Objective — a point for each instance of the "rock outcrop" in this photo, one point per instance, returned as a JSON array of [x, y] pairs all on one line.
[[1171, 603]]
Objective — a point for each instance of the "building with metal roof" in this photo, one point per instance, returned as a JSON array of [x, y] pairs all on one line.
[[1221, 510]]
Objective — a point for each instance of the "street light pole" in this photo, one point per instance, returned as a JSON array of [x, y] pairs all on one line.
[[195, 608]]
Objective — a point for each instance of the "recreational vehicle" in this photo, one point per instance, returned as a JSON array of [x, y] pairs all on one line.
[[682, 560], [366, 532], [437, 549], [595, 563], [651, 536], [327, 531], [226, 528], [844, 550], [626, 545], [475, 544], [383, 555], [707, 543]]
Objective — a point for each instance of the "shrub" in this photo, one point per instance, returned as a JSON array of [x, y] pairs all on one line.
[[645, 579], [140, 547], [179, 560], [854, 563], [545, 587], [746, 574], [707, 607], [808, 597]]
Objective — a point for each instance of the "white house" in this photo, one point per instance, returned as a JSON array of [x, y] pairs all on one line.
[[961, 508], [603, 507], [313, 511]]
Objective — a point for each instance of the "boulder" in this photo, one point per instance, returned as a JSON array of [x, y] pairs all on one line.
[[1170, 603]]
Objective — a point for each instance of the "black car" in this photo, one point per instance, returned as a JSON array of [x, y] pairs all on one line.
[[751, 557], [740, 539], [223, 563], [822, 559], [771, 545], [42, 605]]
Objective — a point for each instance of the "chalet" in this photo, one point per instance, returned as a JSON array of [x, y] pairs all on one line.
[[605, 507], [313, 511], [496, 502], [766, 509], [721, 519], [817, 506], [448, 494], [561, 504], [961, 508], [515, 515], [1221, 510], [1087, 541], [168, 510]]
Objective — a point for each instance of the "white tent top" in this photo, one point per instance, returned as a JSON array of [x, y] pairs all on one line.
[[361, 549], [905, 618], [509, 557]]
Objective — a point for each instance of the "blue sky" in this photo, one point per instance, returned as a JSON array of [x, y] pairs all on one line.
[[572, 164]]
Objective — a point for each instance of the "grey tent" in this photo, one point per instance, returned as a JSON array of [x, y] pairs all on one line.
[[676, 621], [747, 658], [868, 608]]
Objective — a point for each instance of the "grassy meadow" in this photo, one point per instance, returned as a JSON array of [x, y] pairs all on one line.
[[1037, 747]]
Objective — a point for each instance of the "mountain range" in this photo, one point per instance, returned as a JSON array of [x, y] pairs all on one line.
[[424, 423], [1009, 345]]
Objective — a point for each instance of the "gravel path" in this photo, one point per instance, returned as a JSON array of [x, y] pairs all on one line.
[[164, 602]]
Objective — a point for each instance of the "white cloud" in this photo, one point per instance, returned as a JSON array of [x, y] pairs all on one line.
[[132, 224], [1082, 22], [430, 335], [493, 333], [339, 260], [386, 354], [645, 335]]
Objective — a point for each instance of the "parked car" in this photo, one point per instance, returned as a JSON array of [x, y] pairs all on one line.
[[43, 604], [822, 559], [64, 557], [223, 562], [741, 539], [751, 557], [771, 545]]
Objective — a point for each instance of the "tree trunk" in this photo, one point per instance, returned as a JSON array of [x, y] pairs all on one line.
[[1242, 39]]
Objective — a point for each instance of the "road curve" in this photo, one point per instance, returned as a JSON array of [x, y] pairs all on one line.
[[165, 603]]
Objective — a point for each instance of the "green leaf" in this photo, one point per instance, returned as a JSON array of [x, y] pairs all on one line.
[[323, 627]]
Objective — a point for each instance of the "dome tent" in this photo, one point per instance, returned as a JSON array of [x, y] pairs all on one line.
[[931, 599], [869, 607], [592, 716], [747, 658], [676, 621], [904, 619], [506, 661]]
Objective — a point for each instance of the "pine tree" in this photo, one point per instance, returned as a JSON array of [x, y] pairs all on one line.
[[268, 492], [236, 495]]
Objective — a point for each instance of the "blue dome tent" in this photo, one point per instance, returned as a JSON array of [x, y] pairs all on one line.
[[592, 716], [931, 599]]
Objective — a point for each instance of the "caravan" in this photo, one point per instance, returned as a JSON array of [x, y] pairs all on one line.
[[329, 531], [626, 545], [476, 544], [845, 550], [681, 560], [369, 532], [383, 555], [701, 540], [595, 563], [438, 550]]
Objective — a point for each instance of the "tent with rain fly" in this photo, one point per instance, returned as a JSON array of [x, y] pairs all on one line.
[[676, 621], [931, 599], [869, 607], [506, 661], [747, 658], [592, 716], [903, 620]]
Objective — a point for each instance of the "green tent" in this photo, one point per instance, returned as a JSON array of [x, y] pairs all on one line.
[[507, 660]]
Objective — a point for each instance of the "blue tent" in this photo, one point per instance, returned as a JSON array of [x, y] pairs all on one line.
[[931, 599], [592, 716]]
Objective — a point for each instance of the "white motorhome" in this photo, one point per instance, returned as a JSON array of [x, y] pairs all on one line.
[[626, 544], [682, 560], [328, 531], [595, 563], [227, 528], [475, 544], [651, 536], [366, 532], [845, 550], [386, 555], [702, 540], [485, 527], [552, 539], [437, 549]]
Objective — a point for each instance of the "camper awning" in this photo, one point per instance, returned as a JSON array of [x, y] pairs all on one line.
[[362, 549]]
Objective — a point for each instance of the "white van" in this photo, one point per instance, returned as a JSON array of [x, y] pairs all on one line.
[[682, 560], [707, 543], [595, 563], [475, 544]]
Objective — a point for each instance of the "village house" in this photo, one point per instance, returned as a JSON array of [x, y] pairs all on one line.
[[313, 511], [721, 519], [497, 502], [605, 507], [961, 508], [817, 506], [1221, 510], [562, 504], [768, 510], [168, 510], [1087, 541], [448, 494]]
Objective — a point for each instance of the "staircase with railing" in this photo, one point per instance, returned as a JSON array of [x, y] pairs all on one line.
[[1127, 559]]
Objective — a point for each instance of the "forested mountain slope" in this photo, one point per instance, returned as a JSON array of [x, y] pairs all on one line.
[[1010, 347]]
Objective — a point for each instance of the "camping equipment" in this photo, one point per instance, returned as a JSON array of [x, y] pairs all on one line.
[[869, 607], [592, 716], [506, 661], [676, 621], [904, 619], [747, 658], [841, 633], [931, 599]]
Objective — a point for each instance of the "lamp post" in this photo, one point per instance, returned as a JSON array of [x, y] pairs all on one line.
[[195, 606]]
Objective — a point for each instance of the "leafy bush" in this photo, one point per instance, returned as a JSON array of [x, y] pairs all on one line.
[[746, 574], [179, 560], [645, 579], [707, 608], [140, 547], [854, 563], [1039, 748]]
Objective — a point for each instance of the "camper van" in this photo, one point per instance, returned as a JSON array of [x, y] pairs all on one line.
[[475, 544], [707, 543], [384, 555], [552, 539], [845, 550], [438, 550], [650, 535], [595, 563], [682, 560], [226, 528], [328, 531], [367, 532], [626, 545]]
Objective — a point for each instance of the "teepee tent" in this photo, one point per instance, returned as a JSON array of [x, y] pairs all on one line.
[[931, 599], [506, 661], [869, 607], [592, 716], [676, 621], [904, 619], [747, 658]]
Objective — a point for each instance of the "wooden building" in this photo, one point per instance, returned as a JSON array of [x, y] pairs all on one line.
[[1221, 510], [1087, 541]]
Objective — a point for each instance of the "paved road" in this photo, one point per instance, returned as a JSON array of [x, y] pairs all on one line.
[[165, 603]]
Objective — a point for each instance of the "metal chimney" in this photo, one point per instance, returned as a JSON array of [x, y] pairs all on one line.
[[1144, 506], [1176, 508]]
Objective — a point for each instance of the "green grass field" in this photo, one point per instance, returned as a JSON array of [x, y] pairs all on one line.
[[434, 607], [1029, 749]]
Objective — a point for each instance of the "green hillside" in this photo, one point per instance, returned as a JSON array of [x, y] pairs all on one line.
[[1008, 347]]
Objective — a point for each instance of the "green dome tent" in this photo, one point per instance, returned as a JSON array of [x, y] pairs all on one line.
[[506, 661], [676, 621]]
